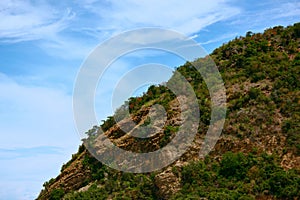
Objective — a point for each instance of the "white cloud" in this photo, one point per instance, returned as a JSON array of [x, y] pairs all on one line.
[[267, 14], [69, 32], [285, 10], [25, 20], [8, 154], [37, 136], [56, 26], [23, 177], [220, 38], [68, 48], [64, 29], [184, 16], [34, 116]]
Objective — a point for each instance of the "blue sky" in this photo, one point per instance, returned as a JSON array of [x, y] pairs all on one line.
[[43, 44]]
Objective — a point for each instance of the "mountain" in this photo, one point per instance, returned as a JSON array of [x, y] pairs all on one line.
[[257, 155]]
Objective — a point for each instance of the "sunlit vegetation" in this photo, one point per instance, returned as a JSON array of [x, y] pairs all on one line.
[[261, 73]]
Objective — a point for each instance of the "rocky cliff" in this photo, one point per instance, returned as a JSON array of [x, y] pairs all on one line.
[[256, 157]]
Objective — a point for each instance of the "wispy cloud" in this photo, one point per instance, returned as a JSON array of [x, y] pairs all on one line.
[[23, 176], [28, 20], [60, 29], [113, 17], [184, 16], [19, 190], [28, 152], [66, 30], [37, 136], [267, 14], [219, 38], [34, 116], [285, 10]]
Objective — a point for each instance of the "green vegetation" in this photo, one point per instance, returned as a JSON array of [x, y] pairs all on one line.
[[261, 73], [109, 183], [238, 176], [57, 194]]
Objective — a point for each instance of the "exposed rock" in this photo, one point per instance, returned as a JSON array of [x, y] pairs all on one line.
[[251, 125], [71, 178], [167, 183]]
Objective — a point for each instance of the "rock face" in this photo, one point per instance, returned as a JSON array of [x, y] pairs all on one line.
[[167, 183], [71, 178], [259, 118]]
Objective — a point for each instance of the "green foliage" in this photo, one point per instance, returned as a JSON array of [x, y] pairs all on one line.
[[108, 123], [238, 176], [118, 186], [291, 128], [47, 183], [56, 194], [285, 184], [234, 166], [81, 149], [96, 167], [168, 132], [245, 63], [93, 193], [254, 93]]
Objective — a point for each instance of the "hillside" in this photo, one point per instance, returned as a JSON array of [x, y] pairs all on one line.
[[257, 155]]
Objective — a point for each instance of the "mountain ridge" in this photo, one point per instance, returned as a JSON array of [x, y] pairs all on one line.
[[259, 145]]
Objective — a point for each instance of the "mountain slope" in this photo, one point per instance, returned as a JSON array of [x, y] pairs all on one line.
[[257, 155]]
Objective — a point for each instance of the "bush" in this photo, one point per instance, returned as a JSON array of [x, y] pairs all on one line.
[[234, 166], [285, 184], [57, 194]]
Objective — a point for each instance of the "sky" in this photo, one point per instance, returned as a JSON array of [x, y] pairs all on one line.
[[44, 43]]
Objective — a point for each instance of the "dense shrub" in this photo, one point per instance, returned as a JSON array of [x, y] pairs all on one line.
[[238, 176]]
